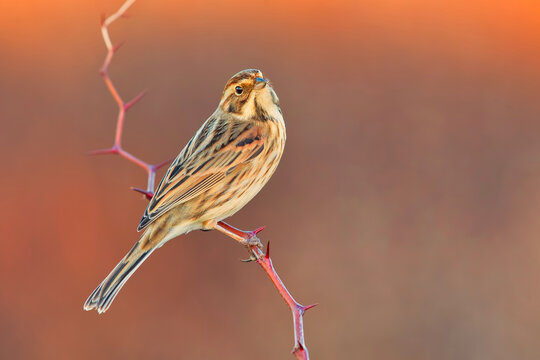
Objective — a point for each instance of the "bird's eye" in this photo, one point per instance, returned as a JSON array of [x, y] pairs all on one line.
[[238, 90]]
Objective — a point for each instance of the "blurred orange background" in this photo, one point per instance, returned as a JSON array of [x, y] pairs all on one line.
[[406, 204]]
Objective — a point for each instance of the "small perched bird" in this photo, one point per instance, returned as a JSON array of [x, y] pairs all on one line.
[[230, 158]]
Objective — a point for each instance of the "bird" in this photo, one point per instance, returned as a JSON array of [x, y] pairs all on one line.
[[224, 165]]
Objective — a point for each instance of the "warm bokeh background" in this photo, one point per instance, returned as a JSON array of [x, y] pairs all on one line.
[[407, 203]]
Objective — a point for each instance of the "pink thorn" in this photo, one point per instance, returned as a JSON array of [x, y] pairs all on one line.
[[298, 347], [135, 100], [306, 308], [267, 255], [147, 194], [258, 230], [162, 164], [103, 151], [117, 46]]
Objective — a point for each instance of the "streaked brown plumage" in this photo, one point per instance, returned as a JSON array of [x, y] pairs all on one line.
[[226, 163]]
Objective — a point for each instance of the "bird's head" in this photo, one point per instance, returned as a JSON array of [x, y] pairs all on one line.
[[248, 94]]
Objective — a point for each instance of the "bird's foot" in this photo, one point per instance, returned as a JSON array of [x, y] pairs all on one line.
[[251, 238], [250, 242], [247, 238]]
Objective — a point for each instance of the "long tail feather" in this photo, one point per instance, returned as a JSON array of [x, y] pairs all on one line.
[[102, 297]]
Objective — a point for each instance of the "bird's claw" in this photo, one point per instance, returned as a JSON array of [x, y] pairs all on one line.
[[253, 255], [251, 258], [247, 238], [253, 240], [249, 242]]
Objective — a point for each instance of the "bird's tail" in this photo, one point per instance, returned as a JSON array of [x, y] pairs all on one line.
[[105, 293]]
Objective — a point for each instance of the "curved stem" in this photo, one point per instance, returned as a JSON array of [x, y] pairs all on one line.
[[300, 350], [123, 106]]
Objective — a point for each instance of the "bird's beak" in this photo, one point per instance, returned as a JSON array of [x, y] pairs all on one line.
[[260, 83]]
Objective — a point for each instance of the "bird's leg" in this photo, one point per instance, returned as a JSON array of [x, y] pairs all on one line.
[[246, 238]]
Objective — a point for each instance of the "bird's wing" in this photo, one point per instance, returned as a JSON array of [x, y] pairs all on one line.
[[203, 163]]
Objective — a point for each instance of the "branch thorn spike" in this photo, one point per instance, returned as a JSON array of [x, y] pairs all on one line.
[[102, 151], [117, 46], [306, 308], [135, 99], [256, 231], [147, 194], [102, 19], [267, 255], [162, 164], [298, 347]]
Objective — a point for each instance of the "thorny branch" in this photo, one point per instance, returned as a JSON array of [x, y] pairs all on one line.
[[300, 350], [123, 106], [256, 254]]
